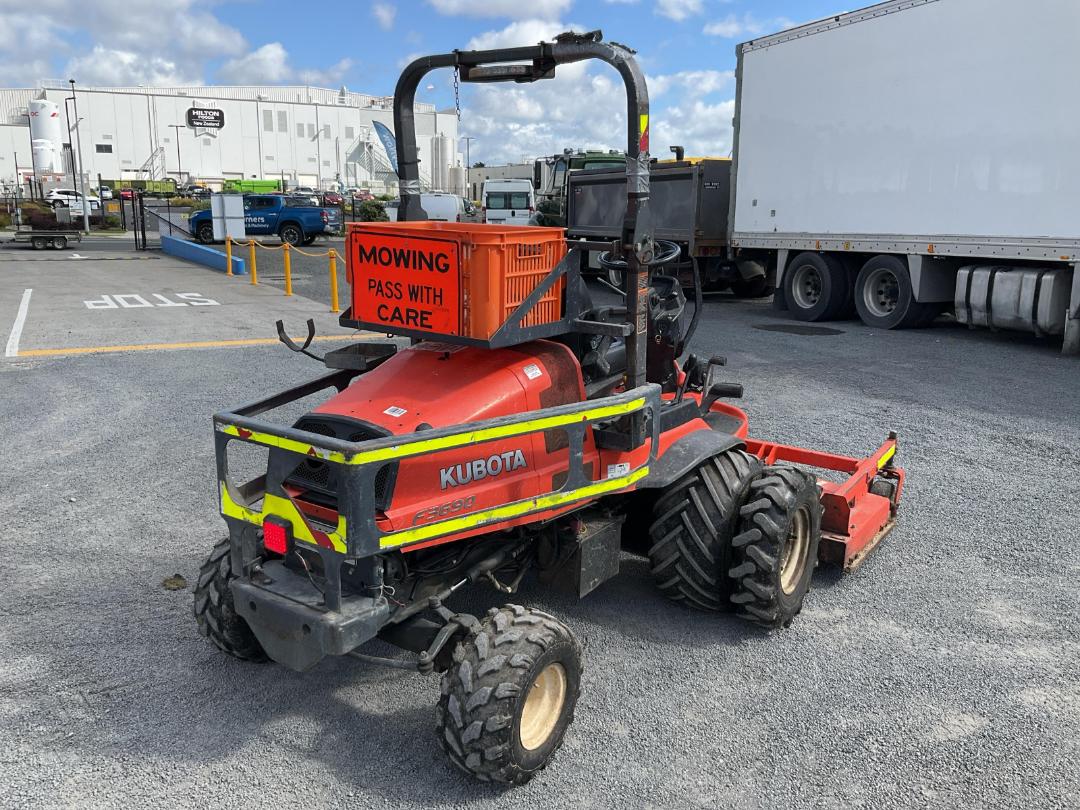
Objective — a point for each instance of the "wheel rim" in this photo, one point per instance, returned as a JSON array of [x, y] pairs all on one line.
[[793, 557], [543, 707], [806, 287], [881, 292], [290, 236]]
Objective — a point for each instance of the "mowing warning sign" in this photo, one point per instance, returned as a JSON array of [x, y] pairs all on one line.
[[405, 282]]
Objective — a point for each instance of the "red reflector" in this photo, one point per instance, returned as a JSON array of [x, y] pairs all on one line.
[[274, 538]]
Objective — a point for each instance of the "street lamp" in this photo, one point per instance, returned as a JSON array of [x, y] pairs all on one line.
[[468, 165], [179, 171], [78, 168]]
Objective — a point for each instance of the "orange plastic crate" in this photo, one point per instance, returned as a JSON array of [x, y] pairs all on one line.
[[497, 268]]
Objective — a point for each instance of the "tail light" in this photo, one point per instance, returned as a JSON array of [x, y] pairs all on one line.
[[275, 538], [325, 216]]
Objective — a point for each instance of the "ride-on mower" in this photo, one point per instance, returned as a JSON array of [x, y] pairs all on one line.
[[523, 429]]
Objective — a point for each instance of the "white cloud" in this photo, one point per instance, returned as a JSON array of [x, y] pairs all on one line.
[[384, 14], [694, 83], [269, 64], [678, 10], [110, 67], [522, 32], [121, 41], [513, 9], [733, 26]]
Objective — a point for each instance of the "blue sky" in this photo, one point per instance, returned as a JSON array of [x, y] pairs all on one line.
[[685, 46]]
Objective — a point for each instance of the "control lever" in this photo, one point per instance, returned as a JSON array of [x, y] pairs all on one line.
[[714, 389], [688, 370], [291, 344]]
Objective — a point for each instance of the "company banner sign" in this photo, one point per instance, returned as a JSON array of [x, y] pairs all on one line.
[[205, 118]]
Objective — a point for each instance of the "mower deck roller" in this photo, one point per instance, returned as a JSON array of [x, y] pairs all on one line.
[[523, 431]]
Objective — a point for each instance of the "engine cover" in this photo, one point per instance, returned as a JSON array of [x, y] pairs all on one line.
[[436, 385]]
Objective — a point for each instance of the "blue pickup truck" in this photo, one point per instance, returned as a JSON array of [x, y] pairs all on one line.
[[294, 219]]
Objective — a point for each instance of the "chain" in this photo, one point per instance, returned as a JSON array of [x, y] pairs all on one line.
[[457, 93]]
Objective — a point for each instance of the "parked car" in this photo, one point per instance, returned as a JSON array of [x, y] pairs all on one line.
[[509, 202], [303, 190], [70, 198], [439, 207], [333, 198], [290, 217], [105, 193], [127, 193]]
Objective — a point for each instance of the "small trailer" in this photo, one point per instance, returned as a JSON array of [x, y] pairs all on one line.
[[40, 240]]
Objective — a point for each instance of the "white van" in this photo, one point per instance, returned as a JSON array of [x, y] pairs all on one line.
[[439, 207], [508, 202]]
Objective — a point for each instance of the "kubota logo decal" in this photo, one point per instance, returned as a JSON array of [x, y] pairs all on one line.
[[481, 468]]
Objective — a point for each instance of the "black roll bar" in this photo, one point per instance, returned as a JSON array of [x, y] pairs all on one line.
[[528, 64]]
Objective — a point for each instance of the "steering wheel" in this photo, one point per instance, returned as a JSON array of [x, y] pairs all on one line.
[[669, 252]]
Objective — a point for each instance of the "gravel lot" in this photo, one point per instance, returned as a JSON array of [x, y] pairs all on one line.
[[944, 673]]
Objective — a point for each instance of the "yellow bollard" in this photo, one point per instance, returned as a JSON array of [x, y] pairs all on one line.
[[288, 268], [333, 282], [251, 258], [228, 256]]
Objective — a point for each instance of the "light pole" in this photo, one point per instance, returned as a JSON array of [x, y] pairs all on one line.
[[179, 171], [468, 164], [78, 170]]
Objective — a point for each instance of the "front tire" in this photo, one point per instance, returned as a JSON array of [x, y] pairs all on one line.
[[694, 521], [205, 233], [775, 551], [214, 611], [292, 234], [510, 695]]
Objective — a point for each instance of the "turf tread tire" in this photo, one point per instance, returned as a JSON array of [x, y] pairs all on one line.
[[764, 526], [214, 612], [694, 521], [482, 692]]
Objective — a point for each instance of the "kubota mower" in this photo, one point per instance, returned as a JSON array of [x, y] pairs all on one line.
[[524, 431]]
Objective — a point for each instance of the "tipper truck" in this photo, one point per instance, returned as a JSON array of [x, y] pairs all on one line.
[[914, 157]]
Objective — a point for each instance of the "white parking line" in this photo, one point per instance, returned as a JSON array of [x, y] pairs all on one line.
[[17, 327]]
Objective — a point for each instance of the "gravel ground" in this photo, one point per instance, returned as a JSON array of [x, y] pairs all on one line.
[[943, 673]]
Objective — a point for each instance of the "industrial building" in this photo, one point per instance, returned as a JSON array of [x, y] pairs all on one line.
[[306, 136]]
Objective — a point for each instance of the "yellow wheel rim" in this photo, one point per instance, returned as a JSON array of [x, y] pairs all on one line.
[[543, 707], [793, 557]]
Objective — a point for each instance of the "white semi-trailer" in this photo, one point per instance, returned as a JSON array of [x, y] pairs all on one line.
[[915, 157]]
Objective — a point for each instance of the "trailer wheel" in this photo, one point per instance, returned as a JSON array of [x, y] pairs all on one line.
[[884, 298], [59, 242], [205, 233], [214, 611], [775, 551], [39, 242], [816, 287], [694, 521], [509, 696]]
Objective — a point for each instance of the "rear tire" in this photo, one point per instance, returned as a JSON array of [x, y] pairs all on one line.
[[205, 233], [694, 521], [884, 298], [510, 695], [816, 287], [39, 242], [775, 551], [59, 242], [214, 611]]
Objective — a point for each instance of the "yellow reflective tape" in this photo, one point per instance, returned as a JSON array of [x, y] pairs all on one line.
[[511, 510], [885, 458], [270, 440], [444, 443], [501, 432], [644, 125], [283, 508]]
